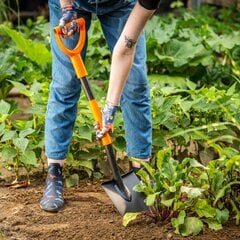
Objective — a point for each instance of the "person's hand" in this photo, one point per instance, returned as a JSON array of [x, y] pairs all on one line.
[[68, 15], [108, 114]]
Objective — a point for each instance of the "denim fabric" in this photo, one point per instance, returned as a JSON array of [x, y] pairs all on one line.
[[65, 88]]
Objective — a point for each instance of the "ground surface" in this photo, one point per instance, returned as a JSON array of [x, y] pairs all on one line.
[[88, 215]]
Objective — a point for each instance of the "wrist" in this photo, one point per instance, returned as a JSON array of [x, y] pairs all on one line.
[[111, 103], [67, 8], [109, 113], [65, 3]]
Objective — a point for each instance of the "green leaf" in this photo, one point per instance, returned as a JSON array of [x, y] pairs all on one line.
[[162, 80], [8, 153], [21, 143], [128, 217], [222, 216], [37, 52], [167, 202], [203, 209], [2, 128], [225, 41], [181, 217], [222, 191], [195, 163], [4, 107], [217, 181], [172, 189], [150, 200], [185, 52], [21, 87], [87, 164], [26, 132], [148, 169], [213, 224], [179, 221], [191, 226], [85, 133], [72, 180], [141, 187], [220, 194], [7, 67], [29, 158], [144, 176], [9, 135], [163, 32], [163, 157], [192, 192]]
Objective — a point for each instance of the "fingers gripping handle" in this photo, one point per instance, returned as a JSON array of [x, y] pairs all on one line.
[[97, 115], [71, 52]]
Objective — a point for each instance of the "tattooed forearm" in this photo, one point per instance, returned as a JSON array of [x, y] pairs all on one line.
[[129, 42]]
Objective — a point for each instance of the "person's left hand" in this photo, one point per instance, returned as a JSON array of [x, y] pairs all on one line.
[[68, 15], [108, 114]]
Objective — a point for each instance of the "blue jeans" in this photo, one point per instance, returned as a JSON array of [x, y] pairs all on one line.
[[65, 88]]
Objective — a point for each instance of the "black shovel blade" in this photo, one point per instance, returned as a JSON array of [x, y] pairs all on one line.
[[136, 202]]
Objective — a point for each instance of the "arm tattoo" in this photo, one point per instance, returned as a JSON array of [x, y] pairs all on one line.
[[129, 42]]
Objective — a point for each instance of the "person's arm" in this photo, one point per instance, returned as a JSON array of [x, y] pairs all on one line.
[[65, 3], [124, 51], [122, 60]]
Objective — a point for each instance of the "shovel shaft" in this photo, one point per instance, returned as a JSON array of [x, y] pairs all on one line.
[[81, 73], [95, 109], [106, 140]]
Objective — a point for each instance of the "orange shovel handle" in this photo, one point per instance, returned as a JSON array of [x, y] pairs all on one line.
[[58, 34], [78, 65]]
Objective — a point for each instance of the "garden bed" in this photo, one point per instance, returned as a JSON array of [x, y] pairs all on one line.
[[88, 214]]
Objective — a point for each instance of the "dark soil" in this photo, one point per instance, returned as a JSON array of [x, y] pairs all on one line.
[[88, 215]]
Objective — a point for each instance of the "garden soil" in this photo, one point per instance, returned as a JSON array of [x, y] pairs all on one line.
[[88, 215]]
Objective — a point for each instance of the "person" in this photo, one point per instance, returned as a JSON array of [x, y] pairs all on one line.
[[131, 88]]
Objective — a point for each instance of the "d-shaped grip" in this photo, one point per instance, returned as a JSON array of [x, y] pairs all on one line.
[[58, 35]]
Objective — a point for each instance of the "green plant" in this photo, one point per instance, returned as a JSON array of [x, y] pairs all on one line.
[[21, 141], [17, 144], [26, 61], [189, 194], [180, 108], [6, 11], [7, 69], [223, 179], [188, 47], [193, 63], [99, 51]]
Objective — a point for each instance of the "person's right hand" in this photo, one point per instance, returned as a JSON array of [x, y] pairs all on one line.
[[108, 114], [68, 15]]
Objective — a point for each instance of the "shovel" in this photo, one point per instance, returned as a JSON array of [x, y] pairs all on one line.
[[120, 188]]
